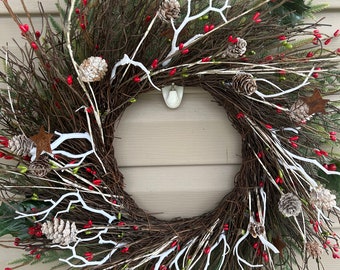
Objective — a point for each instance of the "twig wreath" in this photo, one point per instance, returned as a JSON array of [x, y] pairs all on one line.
[[63, 196]]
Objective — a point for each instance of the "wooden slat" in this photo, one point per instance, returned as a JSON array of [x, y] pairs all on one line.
[[198, 132], [172, 191], [332, 4], [32, 6], [9, 30]]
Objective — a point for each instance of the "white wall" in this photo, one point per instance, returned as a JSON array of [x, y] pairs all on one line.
[[175, 161]]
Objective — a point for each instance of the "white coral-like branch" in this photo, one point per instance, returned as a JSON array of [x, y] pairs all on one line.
[[127, 61], [188, 18], [101, 231]]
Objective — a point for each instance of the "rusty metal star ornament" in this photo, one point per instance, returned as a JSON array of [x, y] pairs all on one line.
[[316, 103], [42, 141]]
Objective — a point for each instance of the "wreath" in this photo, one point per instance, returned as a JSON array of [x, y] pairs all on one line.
[[276, 77]]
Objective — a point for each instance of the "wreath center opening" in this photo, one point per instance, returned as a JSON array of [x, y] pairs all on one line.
[[177, 163]]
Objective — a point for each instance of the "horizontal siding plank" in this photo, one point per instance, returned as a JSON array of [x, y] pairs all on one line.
[[9, 30], [173, 191], [332, 4], [198, 132], [32, 6]]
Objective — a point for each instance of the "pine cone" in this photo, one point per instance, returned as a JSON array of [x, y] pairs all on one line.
[[93, 69], [290, 205], [169, 9], [40, 167], [322, 198], [256, 229], [237, 49], [299, 112], [244, 83], [20, 145], [314, 249], [59, 231]]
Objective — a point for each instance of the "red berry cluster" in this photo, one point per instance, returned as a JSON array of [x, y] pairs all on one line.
[[35, 230]]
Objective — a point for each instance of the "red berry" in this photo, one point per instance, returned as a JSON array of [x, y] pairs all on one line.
[[310, 54], [185, 51], [97, 182], [154, 64], [69, 80], [269, 58], [37, 34], [206, 28], [256, 16], [207, 250], [332, 167], [327, 41], [147, 19], [38, 233], [88, 256], [294, 145], [136, 79], [124, 250], [294, 138], [172, 72], [24, 28], [34, 46]]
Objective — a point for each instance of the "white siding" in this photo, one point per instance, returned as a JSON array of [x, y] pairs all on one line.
[[175, 162]]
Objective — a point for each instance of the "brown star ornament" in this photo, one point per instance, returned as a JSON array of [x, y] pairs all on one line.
[[42, 141], [315, 102]]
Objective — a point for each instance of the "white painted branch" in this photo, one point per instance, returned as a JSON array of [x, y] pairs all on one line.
[[127, 61], [60, 140], [202, 244], [225, 247], [159, 253], [142, 40], [239, 259], [75, 66], [283, 92], [185, 249]]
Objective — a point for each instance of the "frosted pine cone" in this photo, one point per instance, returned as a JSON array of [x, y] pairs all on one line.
[[290, 205], [237, 49], [93, 69], [169, 10], [313, 249], [40, 167], [244, 83], [20, 145], [255, 229], [60, 232], [322, 198], [299, 112]]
